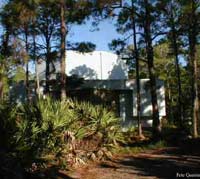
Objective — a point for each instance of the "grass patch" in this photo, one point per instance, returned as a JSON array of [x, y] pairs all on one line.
[[142, 146]]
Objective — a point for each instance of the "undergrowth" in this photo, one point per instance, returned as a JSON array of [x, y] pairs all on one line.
[[62, 133], [142, 146]]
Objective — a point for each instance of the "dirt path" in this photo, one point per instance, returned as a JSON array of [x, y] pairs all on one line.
[[165, 163]]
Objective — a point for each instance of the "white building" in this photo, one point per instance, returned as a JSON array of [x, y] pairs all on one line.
[[104, 70]]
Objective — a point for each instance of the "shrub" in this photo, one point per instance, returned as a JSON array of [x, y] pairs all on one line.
[[41, 125], [67, 129], [7, 124]]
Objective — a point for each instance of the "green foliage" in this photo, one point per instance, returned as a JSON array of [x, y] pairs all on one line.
[[142, 147], [7, 124], [98, 119], [19, 75], [40, 125], [83, 47], [3, 76], [57, 127]]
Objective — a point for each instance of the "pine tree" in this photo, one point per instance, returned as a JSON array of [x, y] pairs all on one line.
[[127, 24], [149, 21], [172, 12], [190, 24]]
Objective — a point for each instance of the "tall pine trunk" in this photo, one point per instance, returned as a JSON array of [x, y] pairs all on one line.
[[5, 47], [62, 50], [47, 72], [194, 89], [177, 69], [36, 64], [1, 88], [150, 60], [192, 36], [5, 52], [137, 72], [27, 65], [196, 99]]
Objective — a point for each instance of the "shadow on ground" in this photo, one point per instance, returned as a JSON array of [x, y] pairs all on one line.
[[162, 165], [167, 163]]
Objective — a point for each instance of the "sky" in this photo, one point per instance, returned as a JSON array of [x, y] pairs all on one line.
[[85, 33], [101, 38], [2, 2]]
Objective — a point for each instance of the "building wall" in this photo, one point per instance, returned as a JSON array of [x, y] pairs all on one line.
[[130, 85]]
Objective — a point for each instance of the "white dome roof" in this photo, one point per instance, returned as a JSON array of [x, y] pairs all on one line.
[[96, 65]]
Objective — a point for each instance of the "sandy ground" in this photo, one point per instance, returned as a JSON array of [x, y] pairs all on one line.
[[164, 163]]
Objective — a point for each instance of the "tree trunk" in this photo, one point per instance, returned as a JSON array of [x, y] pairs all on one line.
[[1, 90], [137, 73], [192, 36], [177, 69], [27, 65], [194, 89], [62, 53], [5, 44], [36, 66], [37, 79], [47, 72], [168, 98], [196, 100], [151, 70]]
